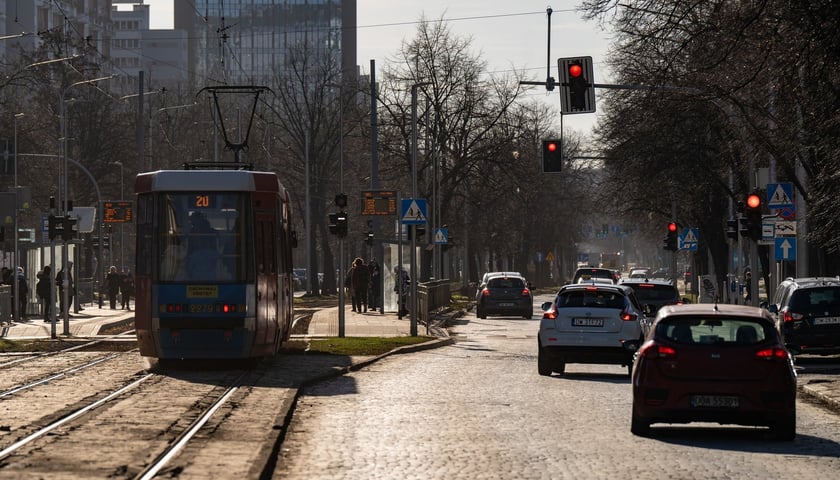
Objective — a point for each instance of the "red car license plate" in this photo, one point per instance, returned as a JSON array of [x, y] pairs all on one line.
[[714, 401]]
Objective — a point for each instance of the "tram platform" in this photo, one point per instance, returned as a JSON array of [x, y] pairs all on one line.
[[90, 321]]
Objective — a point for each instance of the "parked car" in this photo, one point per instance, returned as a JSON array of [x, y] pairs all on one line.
[[589, 323], [587, 273], [652, 295], [807, 311], [714, 363], [504, 295]]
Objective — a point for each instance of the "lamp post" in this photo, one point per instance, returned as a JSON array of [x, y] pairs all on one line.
[[414, 196], [341, 270], [17, 205]]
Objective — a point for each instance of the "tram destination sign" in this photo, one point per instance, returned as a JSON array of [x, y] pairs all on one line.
[[379, 202], [117, 212]]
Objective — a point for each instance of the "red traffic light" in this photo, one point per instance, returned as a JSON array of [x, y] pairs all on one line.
[[753, 201], [551, 146], [672, 227], [575, 70]]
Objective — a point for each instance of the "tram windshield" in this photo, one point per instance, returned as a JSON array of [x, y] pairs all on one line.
[[202, 237]]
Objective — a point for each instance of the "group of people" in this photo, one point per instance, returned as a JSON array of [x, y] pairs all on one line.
[[120, 287], [364, 282], [19, 289], [43, 289]]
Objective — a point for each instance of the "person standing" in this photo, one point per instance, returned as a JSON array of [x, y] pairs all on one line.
[[359, 281], [20, 291], [126, 289], [44, 291], [401, 283], [374, 285], [65, 283], [112, 283]]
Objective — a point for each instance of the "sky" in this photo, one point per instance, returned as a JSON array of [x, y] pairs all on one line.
[[505, 34]]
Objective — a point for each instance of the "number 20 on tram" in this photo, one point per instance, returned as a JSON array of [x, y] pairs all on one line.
[[213, 274]]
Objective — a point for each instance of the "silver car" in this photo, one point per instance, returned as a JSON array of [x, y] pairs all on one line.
[[589, 323]]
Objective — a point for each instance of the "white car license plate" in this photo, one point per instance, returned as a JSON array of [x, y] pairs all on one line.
[[507, 304], [826, 321], [724, 401], [587, 322]]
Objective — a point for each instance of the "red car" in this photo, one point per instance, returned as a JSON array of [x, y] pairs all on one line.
[[714, 363]]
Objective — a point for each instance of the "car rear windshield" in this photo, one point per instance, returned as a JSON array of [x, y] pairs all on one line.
[[590, 298], [806, 299], [505, 282], [717, 330], [647, 292]]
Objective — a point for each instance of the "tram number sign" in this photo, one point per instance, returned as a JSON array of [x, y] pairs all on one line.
[[379, 202], [118, 212]]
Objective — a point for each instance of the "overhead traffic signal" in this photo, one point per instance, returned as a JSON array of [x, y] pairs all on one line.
[[577, 95], [670, 240], [752, 214], [552, 156]]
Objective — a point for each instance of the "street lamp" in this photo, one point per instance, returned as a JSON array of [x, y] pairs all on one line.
[[414, 196], [17, 205]]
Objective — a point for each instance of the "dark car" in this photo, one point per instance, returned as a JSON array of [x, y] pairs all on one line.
[[504, 295], [588, 323], [807, 312], [588, 273], [714, 363], [653, 295]]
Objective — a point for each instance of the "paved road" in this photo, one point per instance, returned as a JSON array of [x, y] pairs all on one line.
[[478, 409]]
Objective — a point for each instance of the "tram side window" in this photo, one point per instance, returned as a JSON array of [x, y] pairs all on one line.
[[145, 235]]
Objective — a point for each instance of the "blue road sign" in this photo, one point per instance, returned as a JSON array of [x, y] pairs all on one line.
[[441, 236], [689, 238], [780, 195], [413, 211], [785, 248]]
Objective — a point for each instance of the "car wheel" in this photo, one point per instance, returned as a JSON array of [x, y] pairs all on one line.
[[560, 367], [784, 429], [630, 370], [543, 363], [639, 425], [528, 316]]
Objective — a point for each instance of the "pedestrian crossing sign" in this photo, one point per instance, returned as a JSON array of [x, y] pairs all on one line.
[[689, 239], [441, 236], [413, 211]]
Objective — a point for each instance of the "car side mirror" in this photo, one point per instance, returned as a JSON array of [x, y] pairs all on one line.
[[546, 306], [685, 300]]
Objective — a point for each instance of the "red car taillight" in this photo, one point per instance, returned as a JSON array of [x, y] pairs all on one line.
[[485, 292], [772, 353], [653, 350], [627, 316], [550, 314], [789, 316], [526, 292]]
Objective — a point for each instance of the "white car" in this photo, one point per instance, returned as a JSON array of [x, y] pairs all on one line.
[[589, 323]]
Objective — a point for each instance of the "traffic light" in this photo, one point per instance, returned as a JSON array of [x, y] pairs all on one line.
[[67, 231], [55, 225], [341, 224], [369, 237], [552, 156], [670, 240], [732, 229], [341, 200], [753, 216], [577, 94]]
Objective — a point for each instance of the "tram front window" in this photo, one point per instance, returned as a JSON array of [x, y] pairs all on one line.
[[202, 237]]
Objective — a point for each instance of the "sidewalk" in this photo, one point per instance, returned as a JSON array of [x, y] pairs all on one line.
[[324, 323], [86, 323]]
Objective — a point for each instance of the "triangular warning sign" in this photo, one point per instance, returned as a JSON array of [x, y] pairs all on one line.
[[780, 196], [440, 237], [413, 213], [690, 237]]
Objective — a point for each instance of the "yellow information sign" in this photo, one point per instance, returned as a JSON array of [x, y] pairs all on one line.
[[379, 202]]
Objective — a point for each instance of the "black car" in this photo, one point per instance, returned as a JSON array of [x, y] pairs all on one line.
[[808, 314], [504, 295], [653, 294]]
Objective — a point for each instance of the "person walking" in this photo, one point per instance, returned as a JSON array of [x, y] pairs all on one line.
[[112, 283], [20, 291], [359, 282], [43, 290], [65, 283], [374, 286], [126, 289]]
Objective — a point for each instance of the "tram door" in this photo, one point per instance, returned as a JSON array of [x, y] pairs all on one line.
[[266, 262]]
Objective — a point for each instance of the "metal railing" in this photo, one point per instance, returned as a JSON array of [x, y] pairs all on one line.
[[432, 296]]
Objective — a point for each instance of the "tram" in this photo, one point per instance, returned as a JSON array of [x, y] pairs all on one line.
[[213, 275]]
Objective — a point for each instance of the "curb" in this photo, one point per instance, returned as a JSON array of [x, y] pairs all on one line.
[[814, 393]]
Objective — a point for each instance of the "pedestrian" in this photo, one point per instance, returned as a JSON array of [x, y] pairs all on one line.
[[401, 283], [748, 286], [360, 285], [20, 292], [374, 286], [126, 289], [7, 278], [112, 283], [44, 291], [348, 286], [65, 285]]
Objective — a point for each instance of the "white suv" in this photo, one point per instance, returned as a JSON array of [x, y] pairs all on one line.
[[589, 323]]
